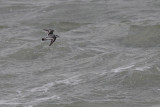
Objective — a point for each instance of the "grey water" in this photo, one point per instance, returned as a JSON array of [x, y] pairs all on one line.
[[107, 55]]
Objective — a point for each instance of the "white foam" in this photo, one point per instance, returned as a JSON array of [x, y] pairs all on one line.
[[4, 102], [44, 88], [71, 81], [120, 69], [54, 97], [142, 68], [48, 98]]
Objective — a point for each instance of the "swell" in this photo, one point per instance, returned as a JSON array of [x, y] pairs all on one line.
[[142, 36]]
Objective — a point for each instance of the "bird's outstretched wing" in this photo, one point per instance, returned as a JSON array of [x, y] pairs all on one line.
[[50, 31], [52, 41], [46, 30]]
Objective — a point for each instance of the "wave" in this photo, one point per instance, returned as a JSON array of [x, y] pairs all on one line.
[[142, 36]]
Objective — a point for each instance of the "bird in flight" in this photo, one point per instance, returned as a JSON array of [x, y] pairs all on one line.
[[50, 36]]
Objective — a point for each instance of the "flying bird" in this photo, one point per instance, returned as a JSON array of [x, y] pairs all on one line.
[[50, 36]]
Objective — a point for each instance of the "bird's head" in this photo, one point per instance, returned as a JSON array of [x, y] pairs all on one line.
[[43, 39]]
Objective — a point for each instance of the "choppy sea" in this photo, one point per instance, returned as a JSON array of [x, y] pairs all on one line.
[[107, 55]]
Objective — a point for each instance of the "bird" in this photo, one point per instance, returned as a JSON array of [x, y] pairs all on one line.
[[50, 36]]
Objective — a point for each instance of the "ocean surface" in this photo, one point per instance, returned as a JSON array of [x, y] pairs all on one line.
[[107, 55]]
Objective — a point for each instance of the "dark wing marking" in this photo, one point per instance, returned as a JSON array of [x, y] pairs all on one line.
[[52, 41], [51, 32]]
